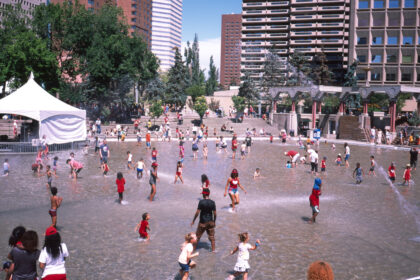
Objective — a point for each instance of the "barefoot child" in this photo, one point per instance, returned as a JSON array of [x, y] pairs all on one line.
[[75, 166], [148, 140], [358, 172], [186, 255], [152, 180], [55, 166], [339, 160], [178, 173], [154, 154], [120, 186], [407, 175], [49, 177], [372, 166], [6, 167], [143, 227], [129, 160], [233, 184], [323, 164], [105, 168], [55, 203], [242, 266], [391, 172], [205, 183], [243, 149], [314, 199], [205, 149], [140, 168], [257, 173]]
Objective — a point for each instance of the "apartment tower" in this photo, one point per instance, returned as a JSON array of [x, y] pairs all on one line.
[[137, 13], [166, 31], [27, 6], [230, 56], [307, 26], [386, 41]]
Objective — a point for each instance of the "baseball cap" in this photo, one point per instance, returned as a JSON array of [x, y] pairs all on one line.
[[155, 164], [50, 231]]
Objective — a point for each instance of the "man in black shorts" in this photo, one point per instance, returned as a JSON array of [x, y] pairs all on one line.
[[207, 210], [413, 157]]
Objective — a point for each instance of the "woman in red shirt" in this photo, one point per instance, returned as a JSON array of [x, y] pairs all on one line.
[[120, 186]]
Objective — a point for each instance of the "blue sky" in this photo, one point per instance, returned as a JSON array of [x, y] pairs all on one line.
[[204, 17]]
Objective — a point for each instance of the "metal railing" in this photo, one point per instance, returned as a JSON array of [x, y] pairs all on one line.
[[28, 147]]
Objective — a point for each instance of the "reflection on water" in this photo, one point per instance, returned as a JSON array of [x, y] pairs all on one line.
[[363, 231]]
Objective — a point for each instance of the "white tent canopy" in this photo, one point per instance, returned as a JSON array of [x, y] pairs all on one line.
[[58, 121]]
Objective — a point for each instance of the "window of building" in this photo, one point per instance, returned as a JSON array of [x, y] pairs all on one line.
[[392, 58], [392, 40], [394, 3], [377, 40], [361, 58], [418, 58], [407, 40], [409, 3], [406, 77], [407, 59], [375, 76], [418, 77], [378, 4], [134, 6], [133, 13], [376, 58], [361, 40], [91, 2], [391, 77], [364, 4]]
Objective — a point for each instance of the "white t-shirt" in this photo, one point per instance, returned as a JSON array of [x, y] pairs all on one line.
[[130, 157], [140, 165], [314, 157], [311, 151], [54, 266], [243, 147], [184, 253], [243, 253], [372, 132], [347, 150]]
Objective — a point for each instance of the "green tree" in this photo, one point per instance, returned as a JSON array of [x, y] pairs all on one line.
[[177, 82], [212, 84], [200, 106], [248, 90], [299, 67], [239, 103], [155, 90], [195, 91], [402, 97], [156, 110], [321, 73], [350, 79], [415, 119], [272, 77]]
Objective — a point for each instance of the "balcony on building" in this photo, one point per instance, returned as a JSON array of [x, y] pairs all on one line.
[[303, 33], [277, 35], [278, 12], [334, 25], [277, 3], [303, 17], [303, 2], [253, 36], [278, 43], [331, 9], [278, 19], [253, 12], [253, 27], [304, 10], [253, 20], [332, 17], [277, 27], [253, 4], [303, 42], [327, 33], [303, 25], [332, 41]]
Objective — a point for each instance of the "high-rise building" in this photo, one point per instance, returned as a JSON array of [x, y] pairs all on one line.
[[166, 30], [26, 6], [138, 14], [307, 26], [386, 41], [230, 55]]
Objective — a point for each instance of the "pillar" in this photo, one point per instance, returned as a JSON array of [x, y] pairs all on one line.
[[293, 107], [314, 114], [392, 112], [319, 107], [365, 107], [341, 108], [418, 107]]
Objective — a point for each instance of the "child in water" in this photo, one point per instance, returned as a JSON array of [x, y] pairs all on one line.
[[55, 166], [323, 164], [243, 148], [129, 160], [314, 199], [120, 187], [288, 164], [178, 173], [205, 150], [140, 168], [6, 167], [339, 160], [391, 172], [143, 227], [105, 168], [407, 175], [49, 176], [242, 266], [154, 154], [257, 173], [358, 172], [205, 183], [187, 254], [372, 166]]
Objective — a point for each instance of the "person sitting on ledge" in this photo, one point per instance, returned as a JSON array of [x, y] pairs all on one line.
[[223, 128]]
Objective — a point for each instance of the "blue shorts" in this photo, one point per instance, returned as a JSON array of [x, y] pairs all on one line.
[[154, 158], [233, 191], [148, 144], [104, 159], [347, 157], [138, 139], [139, 170], [185, 267]]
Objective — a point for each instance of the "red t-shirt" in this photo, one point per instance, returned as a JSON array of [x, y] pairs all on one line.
[[142, 229], [234, 144], [407, 174], [323, 165], [154, 153], [391, 171], [314, 198], [291, 153], [120, 185], [148, 137]]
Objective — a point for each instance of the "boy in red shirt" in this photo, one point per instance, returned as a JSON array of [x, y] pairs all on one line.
[[324, 164], [154, 154], [314, 199], [391, 172], [143, 227]]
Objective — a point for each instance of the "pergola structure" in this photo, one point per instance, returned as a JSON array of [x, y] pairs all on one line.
[[318, 92]]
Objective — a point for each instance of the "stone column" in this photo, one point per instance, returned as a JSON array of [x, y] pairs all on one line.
[[314, 114], [393, 113], [365, 108], [341, 108], [319, 107], [293, 107]]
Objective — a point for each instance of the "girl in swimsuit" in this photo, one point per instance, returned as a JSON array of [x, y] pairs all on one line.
[[233, 184], [205, 183], [178, 173], [152, 180]]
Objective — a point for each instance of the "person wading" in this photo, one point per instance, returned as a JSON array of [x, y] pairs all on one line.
[[207, 210]]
